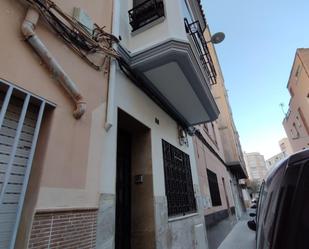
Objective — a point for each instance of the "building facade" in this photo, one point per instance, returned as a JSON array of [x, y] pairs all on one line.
[[97, 144], [274, 159], [256, 166], [285, 146], [219, 161], [158, 90], [286, 150], [52, 110], [215, 182], [296, 122], [231, 147]]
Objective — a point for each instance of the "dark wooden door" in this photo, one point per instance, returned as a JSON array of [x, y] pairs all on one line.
[[123, 191]]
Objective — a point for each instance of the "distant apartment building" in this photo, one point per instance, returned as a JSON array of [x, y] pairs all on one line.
[[285, 146], [296, 122], [256, 166], [274, 159], [219, 159], [286, 150]]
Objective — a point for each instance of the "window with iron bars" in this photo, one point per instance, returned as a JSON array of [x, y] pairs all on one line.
[[214, 188], [145, 12], [178, 181]]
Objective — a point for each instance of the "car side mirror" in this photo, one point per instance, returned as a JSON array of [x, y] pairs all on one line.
[[252, 225], [252, 214]]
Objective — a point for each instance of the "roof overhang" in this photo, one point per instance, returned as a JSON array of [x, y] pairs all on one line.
[[173, 73], [237, 170]]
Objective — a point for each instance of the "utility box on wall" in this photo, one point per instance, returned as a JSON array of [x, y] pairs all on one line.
[[83, 18]]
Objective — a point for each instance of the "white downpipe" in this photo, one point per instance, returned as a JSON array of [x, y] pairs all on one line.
[[28, 30], [109, 120]]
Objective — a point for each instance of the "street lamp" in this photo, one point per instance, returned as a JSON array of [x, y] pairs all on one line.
[[217, 38]]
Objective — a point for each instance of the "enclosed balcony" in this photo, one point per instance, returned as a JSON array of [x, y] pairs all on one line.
[[172, 60]]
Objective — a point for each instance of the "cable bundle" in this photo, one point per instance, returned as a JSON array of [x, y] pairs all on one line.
[[77, 36]]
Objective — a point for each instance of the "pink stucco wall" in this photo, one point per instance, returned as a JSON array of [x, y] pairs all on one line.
[[65, 168], [207, 160]]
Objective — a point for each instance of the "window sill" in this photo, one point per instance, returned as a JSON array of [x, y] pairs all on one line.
[[172, 219]]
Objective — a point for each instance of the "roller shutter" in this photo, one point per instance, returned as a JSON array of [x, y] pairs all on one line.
[[20, 118]]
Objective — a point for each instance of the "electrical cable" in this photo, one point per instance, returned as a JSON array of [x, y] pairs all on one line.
[[76, 35]]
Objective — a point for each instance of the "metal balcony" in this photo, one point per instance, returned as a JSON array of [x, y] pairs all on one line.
[[195, 30], [145, 13]]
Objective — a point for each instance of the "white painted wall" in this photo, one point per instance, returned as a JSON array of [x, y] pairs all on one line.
[[125, 95], [132, 100], [171, 28]]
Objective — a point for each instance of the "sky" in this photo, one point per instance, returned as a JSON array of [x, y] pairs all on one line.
[[256, 59]]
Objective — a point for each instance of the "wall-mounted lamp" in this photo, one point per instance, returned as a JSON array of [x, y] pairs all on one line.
[[182, 136], [217, 38]]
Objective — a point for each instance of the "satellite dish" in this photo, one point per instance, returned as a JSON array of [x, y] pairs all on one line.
[[217, 37]]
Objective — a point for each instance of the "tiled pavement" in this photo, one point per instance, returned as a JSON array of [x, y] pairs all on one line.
[[241, 237]]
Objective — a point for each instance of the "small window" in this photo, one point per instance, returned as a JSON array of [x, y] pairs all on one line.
[[214, 188], [291, 92], [298, 122], [296, 130], [298, 71], [178, 181], [214, 133], [145, 12], [304, 120]]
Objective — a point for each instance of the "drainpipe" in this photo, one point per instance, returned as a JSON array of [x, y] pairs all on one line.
[[28, 30], [109, 120]]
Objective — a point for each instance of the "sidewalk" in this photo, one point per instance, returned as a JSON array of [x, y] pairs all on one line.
[[241, 237], [218, 232]]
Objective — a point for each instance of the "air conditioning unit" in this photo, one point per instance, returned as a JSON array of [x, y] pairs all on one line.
[[242, 182]]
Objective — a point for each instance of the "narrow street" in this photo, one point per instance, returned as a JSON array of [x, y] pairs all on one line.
[[154, 124], [241, 237]]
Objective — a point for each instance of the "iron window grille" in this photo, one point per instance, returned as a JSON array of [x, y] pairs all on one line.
[[145, 13], [195, 31], [178, 181], [214, 188]]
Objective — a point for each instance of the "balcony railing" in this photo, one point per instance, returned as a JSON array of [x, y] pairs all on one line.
[[195, 30], [145, 13]]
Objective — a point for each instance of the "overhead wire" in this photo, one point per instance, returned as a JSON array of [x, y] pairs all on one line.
[[79, 38], [84, 43]]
